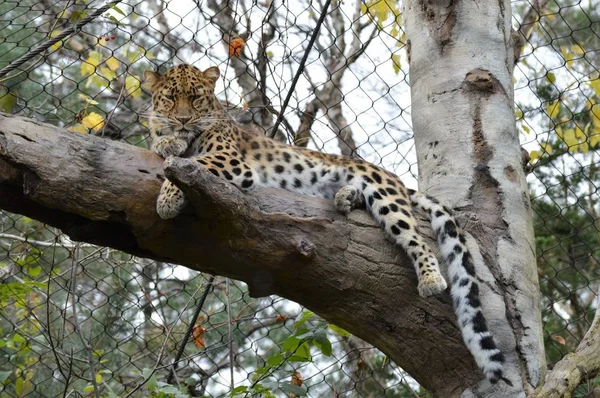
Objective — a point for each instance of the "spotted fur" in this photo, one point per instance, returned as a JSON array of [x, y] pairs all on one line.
[[188, 120]]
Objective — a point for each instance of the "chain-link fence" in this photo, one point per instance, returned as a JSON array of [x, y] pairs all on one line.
[[65, 305]]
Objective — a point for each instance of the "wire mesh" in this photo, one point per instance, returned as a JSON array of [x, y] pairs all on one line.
[[64, 305]]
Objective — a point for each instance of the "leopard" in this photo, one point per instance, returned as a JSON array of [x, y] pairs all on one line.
[[188, 120]]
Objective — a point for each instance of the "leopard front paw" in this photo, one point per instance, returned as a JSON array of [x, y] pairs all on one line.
[[346, 199], [170, 202], [432, 284], [169, 146]]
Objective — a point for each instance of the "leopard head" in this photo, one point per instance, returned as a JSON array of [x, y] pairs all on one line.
[[182, 98]]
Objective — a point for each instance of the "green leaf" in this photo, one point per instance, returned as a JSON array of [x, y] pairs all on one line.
[[7, 102], [17, 338], [298, 358], [239, 390], [263, 370], [147, 374], [275, 360], [112, 18], [34, 271], [303, 350], [306, 315], [550, 77], [290, 344], [4, 376], [339, 330], [323, 343], [117, 9], [293, 389], [191, 381], [304, 335], [169, 390]]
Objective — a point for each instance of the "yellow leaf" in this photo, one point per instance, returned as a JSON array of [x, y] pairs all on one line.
[[595, 85], [584, 147], [559, 132], [107, 73], [533, 155], [396, 62], [89, 65], [552, 109], [519, 114], [132, 86], [567, 56], [595, 115], [96, 81], [98, 378], [112, 63], [88, 99], [550, 77], [381, 9], [79, 128], [547, 148], [526, 129], [577, 49], [595, 139], [570, 139], [93, 121], [579, 132], [56, 45]]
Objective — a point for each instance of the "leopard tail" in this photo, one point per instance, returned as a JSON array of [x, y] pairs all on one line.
[[464, 287]]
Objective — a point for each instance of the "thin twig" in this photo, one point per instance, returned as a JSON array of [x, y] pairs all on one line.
[[169, 331], [42, 243], [300, 68], [85, 344], [48, 301], [230, 334], [63, 35]]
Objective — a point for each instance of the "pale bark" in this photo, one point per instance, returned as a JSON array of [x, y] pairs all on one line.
[[461, 64], [104, 192], [576, 367]]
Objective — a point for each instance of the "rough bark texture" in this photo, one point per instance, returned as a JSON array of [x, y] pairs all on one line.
[[461, 64], [576, 367], [104, 192]]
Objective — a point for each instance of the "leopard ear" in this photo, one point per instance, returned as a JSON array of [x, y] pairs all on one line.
[[151, 79], [212, 74]]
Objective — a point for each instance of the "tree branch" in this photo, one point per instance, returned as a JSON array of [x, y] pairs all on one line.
[[576, 367], [530, 18], [278, 242]]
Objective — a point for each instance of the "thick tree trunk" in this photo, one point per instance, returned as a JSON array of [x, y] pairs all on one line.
[[461, 64], [104, 192]]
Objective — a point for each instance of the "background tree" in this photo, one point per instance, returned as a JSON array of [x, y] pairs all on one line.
[[348, 100]]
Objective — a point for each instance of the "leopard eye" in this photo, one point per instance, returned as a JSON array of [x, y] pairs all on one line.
[[170, 97], [194, 97]]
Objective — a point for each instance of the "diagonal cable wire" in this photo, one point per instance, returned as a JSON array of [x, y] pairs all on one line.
[[300, 67]]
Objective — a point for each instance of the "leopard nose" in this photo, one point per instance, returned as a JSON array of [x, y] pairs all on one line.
[[183, 119]]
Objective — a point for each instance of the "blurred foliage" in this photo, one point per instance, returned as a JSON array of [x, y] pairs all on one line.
[[128, 315]]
